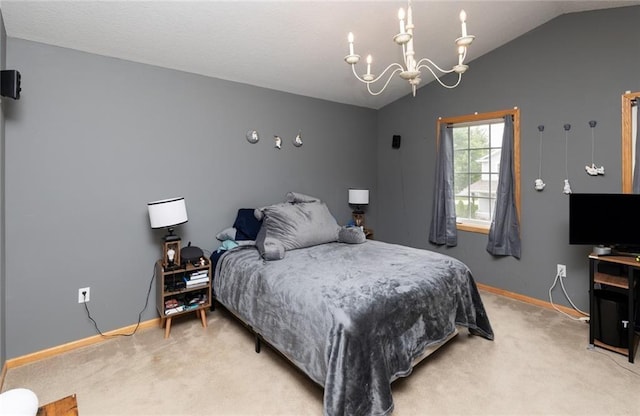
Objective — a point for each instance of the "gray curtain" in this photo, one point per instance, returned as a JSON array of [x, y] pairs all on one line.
[[504, 234], [443, 222], [636, 169]]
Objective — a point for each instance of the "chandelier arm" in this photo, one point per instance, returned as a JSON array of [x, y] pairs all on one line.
[[400, 68], [386, 83], [421, 64], [438, 79]]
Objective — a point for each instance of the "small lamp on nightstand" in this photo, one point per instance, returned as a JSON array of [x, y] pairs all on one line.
[[167, 213], [358, 198]]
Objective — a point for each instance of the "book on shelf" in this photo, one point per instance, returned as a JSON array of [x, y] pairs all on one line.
[[196, 282], [174, 310], [196, 278], [198, 274], [199, 299], [195, 285]]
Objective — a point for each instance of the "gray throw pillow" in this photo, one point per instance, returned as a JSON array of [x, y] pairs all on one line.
[[300, 225], [351, 235], [268, 247], [227, 234], [295, 197]]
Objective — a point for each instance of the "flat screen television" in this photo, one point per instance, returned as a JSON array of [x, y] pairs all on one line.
[[611, 220]]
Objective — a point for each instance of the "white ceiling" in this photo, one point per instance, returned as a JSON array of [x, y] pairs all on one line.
[[295, 46]]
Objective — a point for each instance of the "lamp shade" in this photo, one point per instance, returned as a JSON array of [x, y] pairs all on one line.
[[358, 196], [167, 212]]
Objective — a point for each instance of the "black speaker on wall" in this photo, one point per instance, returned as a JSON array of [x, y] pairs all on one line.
[[395, 142], [10, 84]]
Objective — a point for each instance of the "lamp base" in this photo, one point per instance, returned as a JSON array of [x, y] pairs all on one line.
[[170, 236], [171, 267], [358, 218], [171, 254]]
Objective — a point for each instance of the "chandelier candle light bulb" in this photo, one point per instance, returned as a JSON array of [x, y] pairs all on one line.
[[463, 21], [410, 67], [350, 39]]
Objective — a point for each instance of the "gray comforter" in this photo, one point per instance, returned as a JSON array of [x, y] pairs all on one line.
[[352, 317]]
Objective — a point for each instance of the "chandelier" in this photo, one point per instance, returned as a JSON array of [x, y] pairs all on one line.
[[410, 69]]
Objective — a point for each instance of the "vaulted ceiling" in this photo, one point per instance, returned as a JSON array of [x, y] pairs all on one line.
[[294, 46]]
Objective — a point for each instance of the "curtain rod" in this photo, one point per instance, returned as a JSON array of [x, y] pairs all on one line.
[[477, 123]]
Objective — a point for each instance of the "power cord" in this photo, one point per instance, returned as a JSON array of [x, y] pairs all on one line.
[[555, 282], [146, 303], [616, 362]]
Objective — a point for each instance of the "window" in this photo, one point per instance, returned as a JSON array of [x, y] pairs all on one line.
[[477, 148]]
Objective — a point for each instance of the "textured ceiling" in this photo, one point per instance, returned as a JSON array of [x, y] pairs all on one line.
[[292, 46]]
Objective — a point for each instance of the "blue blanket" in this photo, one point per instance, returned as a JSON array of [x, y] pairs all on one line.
[[352, 317]]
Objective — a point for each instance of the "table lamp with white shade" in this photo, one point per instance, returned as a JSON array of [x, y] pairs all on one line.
[[167, 213], [358, 198]]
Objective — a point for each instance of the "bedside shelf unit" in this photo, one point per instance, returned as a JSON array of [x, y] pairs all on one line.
[[175, 298], [626, 281]]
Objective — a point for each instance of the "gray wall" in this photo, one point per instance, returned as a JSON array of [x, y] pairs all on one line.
[[571, 70], [93, 139], [3, 48]]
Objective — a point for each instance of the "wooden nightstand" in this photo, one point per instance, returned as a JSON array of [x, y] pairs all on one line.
[[183, 290], [368, 233], [67, 406]]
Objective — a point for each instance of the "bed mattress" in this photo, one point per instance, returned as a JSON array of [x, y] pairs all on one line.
[[353, 317]]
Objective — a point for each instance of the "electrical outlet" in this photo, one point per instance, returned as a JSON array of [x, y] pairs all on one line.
[[82, 298], [562, 270]]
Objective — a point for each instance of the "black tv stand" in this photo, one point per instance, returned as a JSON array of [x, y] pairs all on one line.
[[613, 274], [626, 251]]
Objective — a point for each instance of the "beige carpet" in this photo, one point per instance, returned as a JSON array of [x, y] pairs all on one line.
[[538, 364]]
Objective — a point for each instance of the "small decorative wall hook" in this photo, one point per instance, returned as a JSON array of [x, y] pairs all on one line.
[[567, 187], [297, 142], [252, 136], [278, 142], [593, 170], [539, 184]]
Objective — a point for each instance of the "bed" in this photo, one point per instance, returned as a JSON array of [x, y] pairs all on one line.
[[352, 314]]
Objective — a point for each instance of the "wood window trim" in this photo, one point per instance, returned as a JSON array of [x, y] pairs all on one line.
[[515, 113], [627, 141]]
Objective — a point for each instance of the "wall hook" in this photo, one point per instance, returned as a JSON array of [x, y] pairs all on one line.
[[297, 141], [539, 184], [567, 186], [593, 170], [252, 136]]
